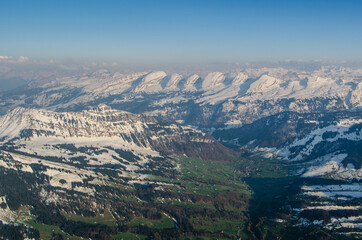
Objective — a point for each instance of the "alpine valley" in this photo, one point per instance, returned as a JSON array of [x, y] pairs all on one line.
[[260, 153]]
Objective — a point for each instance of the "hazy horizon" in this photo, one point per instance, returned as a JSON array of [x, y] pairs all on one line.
[[19, 72], [142, 33]]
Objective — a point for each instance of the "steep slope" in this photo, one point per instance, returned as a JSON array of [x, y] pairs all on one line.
[[107, 126], [151, 82], [104, 173], [318, 144], [213, 81], [190, 83], [173, 83], [264, 84]]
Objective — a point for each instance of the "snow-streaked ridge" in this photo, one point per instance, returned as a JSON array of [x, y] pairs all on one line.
[[151, 82]]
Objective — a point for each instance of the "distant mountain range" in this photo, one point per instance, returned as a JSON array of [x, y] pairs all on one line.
[[106, 129], [270, 106]]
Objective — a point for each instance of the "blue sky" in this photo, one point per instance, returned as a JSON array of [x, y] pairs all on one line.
[[182, 31]]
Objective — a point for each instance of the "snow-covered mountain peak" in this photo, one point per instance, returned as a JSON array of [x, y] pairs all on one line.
[[12, 123], [154, 76], [356, 98], [213, 80], [151, 82], [264, 84], [190, 83], [239, 79], [117, 85], [173, 82]]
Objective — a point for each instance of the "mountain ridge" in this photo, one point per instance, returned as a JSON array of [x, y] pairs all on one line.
[[104, 122], [143, 145]]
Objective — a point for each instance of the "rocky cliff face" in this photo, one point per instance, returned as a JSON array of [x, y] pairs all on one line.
[[104, 124]]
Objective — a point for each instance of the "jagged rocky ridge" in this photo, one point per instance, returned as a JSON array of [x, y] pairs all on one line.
[[217, 98], [103, 123]]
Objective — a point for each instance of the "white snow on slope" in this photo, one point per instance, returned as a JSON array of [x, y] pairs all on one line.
[[213, 80], [13, 122], [117, 85], [264, 84], [313, 138], [103, 128], [215, 96], [190, 83], [353, 190], [172, 84], [356, 98], [8, 216], [331, 164], [326, 164], [151, 82]]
